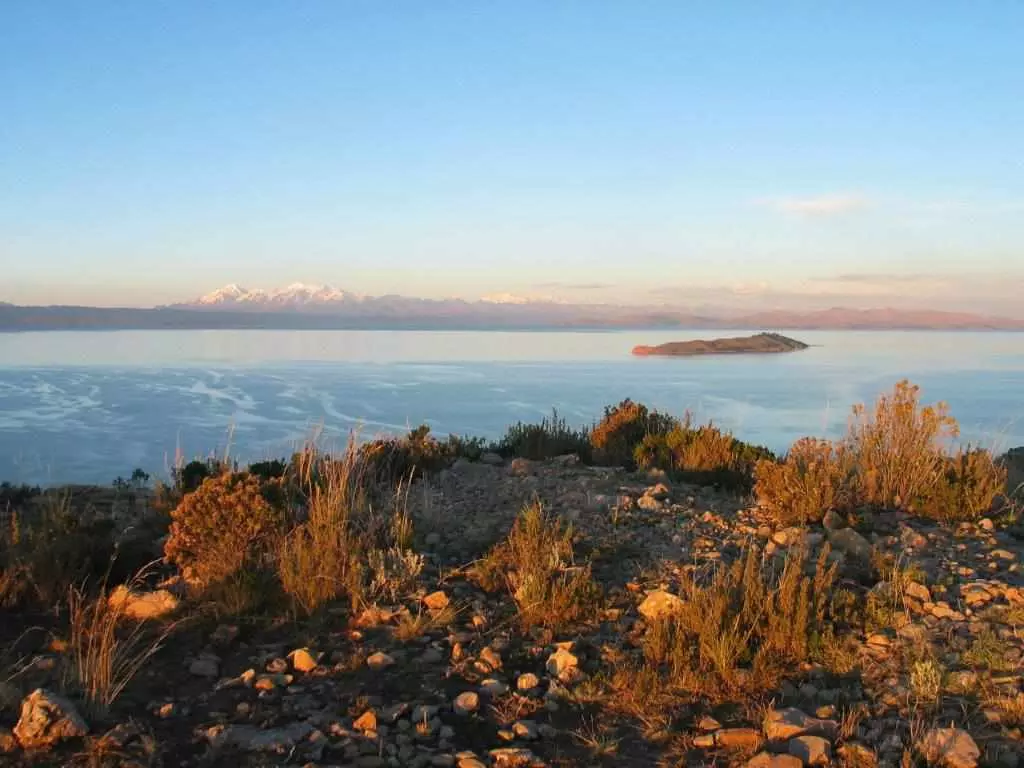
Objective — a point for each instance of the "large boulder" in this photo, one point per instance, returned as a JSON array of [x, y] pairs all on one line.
[[47, 719]]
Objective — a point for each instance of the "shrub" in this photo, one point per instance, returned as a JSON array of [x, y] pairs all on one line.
[[743, 629], [47, 547], [965, 487], [811, 480], [536, 565], [189, 477], [222, 526], [394, 460], [623, 428], [898, 448], [703, 454], [551, 437], [347, 547]]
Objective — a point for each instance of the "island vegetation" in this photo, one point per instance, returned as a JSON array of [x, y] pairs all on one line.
[[648, 591], [758, 344]]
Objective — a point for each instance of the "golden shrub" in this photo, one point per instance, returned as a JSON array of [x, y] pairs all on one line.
[[965, 487], [616, 437], [813, 478], [220, 527]]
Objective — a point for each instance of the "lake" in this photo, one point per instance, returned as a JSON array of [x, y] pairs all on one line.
[[88, 407]]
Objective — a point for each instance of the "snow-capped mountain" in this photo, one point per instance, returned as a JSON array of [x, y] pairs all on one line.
[[294, 296]]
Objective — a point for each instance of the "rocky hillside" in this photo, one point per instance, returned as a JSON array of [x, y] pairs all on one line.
[[919, 660], [758, 344]]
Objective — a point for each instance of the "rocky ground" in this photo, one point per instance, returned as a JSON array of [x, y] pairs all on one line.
[[446, 677]]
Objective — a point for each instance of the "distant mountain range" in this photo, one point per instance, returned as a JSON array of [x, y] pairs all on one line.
[[302, 306]]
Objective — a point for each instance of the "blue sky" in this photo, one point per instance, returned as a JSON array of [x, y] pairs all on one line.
[[742, 154]]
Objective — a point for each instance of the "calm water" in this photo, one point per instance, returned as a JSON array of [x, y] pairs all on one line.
[[87, 407]]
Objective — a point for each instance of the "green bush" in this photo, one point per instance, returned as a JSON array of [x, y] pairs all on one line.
[[623, 428], [551, 437]]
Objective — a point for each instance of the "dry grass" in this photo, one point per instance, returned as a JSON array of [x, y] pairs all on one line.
[[811, 480], [105, 651], [536, 564], [741, 630], [346, 547], [895, 456]]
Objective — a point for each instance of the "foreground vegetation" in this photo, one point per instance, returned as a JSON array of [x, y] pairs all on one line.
[[646, 592]]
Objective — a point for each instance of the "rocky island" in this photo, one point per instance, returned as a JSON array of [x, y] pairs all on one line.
[[759, 344]]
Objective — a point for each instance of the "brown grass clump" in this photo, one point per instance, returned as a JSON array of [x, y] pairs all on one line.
[[346, 547], [224, 525], [536, 563], [813, 478], [744, 629], [105, 651]]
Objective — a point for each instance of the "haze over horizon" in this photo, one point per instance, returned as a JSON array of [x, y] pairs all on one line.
[[797, 157]]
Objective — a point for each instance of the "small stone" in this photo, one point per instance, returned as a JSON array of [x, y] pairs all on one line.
[[918, 592], [785, 724], [304, 660], [436, 601], [379, 661], [812, 750], [768, 760], [491, 658], [527, 682], [564, 665], [704, 741], [206, 665], [224, 635], [526, 729], [738, 738], [466, 703], [47, 719], [659, 604], [950, 747], [366, 721], [143, 605], [851, 543], [708, 723], [493, 688]]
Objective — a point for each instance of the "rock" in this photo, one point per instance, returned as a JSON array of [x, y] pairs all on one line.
[[649, 504], [852, 544], [224, 635], [304, 660], [785, 724], [493, 688], [514, 757], [527, 682], [143, 605], [436, 601], [47, 719], [833, 521], [526, 729], [659, 604], [768, 760], [521, 467], [207, 665], [466, 703], [918, 592], [491, 658], [564, 665], [738, 738], [950, 747], [379, 661], [248, 738], [492, 459], [812, 750], [366, 721]]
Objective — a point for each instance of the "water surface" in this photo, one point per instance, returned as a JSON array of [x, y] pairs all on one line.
[[89, 406]]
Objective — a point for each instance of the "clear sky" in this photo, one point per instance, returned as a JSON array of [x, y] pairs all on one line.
[[730, 153]]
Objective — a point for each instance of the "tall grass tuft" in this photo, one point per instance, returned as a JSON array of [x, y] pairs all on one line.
[[106, 651], [549, 438], [536, 564]]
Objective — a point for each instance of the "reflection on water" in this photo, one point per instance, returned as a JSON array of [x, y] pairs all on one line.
[[89, 406]]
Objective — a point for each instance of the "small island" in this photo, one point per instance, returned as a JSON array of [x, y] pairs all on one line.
[[758, 344]]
